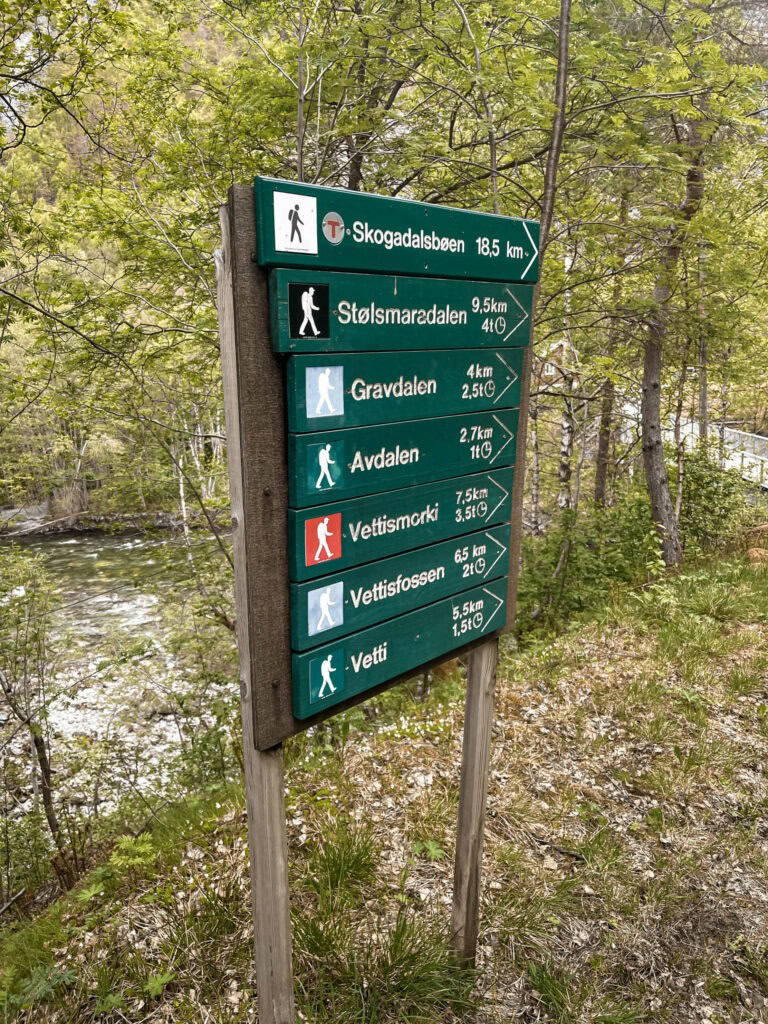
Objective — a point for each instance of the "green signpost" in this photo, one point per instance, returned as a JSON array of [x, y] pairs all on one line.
[[332, 228], [328, 538], [363, 460], [351, 389], [375, 361], [332, 673], [356, 598], [314, 311]]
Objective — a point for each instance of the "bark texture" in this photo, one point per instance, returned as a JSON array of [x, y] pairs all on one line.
[[656, 478], [607, 396]]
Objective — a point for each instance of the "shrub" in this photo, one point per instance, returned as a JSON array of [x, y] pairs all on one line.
[[714, 500], [604, 546]]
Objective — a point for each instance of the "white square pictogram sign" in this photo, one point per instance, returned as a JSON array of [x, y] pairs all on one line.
[[295, 223]]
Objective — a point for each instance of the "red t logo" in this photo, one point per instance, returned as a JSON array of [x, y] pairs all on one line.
[[322, 539], [333, 227]]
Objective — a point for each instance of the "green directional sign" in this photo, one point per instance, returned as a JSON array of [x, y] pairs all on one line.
[[363, 460], [349, 601], [314, 311], [348, 533], [341, 669], [351, 390], [302, 225]]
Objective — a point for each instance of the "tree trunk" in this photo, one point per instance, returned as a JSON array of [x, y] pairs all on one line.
[[653, 444], [653, 447], [703, 392], [608, 393], [558, 127], [565, 468], [300, 100], [724, 403], [608, 389], [45, 782], [679, 437], [533, 413], [703, 383], [576, 490]]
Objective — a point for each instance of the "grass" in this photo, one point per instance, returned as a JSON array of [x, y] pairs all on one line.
[[750, 678], [379, 971], [626, 845], [431, 820], [558, 991], [530, 909], [342, 860]]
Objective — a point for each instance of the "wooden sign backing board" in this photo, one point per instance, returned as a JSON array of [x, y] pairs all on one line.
[[257, 459]]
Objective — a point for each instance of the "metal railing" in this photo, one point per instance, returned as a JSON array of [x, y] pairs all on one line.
[[747, 453]]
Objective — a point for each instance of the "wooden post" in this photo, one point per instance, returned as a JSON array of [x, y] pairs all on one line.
[[257, 491], [270, 901], [476, 750]]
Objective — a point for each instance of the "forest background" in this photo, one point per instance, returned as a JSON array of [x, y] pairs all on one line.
[[634, 131]]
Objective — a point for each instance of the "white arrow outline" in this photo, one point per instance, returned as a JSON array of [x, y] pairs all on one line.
[[490, 593], [522, 310], [512, 381], [535, 254], [504, 549], [511, 436], [501, 501]]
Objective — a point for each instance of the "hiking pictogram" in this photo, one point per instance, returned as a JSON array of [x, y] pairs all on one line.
[[325, 608], [326, 671], [308, 307], [325, 461], [324, 391], [295, 218], [322, 539], [308, 310]]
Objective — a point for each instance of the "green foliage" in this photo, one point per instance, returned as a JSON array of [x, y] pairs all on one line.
[[529, 909], [44, 983], [429, 848], [714, 500], [751, 962], [750, 677], [581, 560], [604, 547], [157, 983], [27, 658], [133, 853]]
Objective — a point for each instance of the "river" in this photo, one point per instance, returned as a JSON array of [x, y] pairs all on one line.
[[116, 685]]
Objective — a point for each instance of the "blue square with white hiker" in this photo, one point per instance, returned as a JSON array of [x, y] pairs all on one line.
[[324, 391]]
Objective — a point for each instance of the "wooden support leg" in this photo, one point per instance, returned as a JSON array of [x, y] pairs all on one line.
[[478, 720], [269, 883]]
